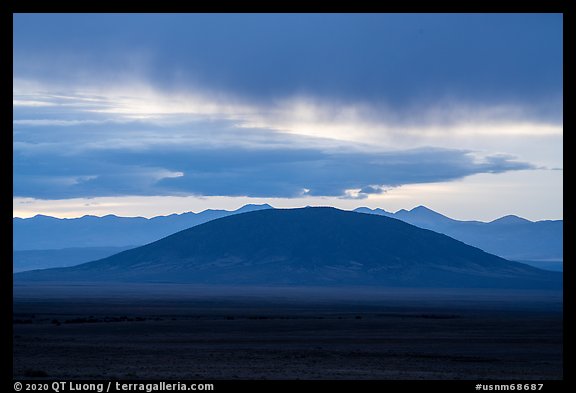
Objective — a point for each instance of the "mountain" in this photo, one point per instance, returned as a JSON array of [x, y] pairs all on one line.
[[380, 212], [307, 246], [44, 232], [422, 216], [510, 237], [510, 220], [538, 243]]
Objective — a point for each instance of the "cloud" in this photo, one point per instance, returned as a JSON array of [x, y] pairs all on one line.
[[445, 123], [364, 192], [402, 62], [333, 105], [54, 122], [372, 189], [31, 103], [202, 158]]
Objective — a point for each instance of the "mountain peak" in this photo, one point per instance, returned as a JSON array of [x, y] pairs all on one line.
[[252, 207], [422, 208], [364, 209], [420, 212], [44, 217], [510, 219], [378, 211]]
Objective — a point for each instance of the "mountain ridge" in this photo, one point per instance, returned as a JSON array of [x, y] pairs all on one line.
[[509, 236], [122, 231], [307, 246]]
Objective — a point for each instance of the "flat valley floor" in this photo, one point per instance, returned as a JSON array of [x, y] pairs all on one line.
[[173, 331]]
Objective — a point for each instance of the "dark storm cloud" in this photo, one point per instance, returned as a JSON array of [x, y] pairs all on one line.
[[398, 60], [372, 190], [71, 164]]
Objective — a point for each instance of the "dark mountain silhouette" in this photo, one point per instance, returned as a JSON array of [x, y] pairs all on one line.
[[510, 237], [308, 246], [537, 243]]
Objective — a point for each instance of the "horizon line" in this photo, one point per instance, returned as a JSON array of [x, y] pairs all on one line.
[[287, 208]]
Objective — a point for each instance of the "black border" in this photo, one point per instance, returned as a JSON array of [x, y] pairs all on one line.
[[6, 28], [259, 6], [526, 6], [569, 269]]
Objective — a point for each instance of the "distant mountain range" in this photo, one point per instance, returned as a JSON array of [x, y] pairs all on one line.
[[510, 237], [44, 232], [65, 242], [307, 246]]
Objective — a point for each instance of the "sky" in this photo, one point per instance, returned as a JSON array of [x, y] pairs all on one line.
[[153, 114]]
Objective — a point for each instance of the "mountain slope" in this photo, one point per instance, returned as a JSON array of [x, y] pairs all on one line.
[[43, 259], [510, 237], [309, 246], [44, 232]]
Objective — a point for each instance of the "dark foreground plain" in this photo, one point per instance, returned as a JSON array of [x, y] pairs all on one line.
[[172, 331]]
